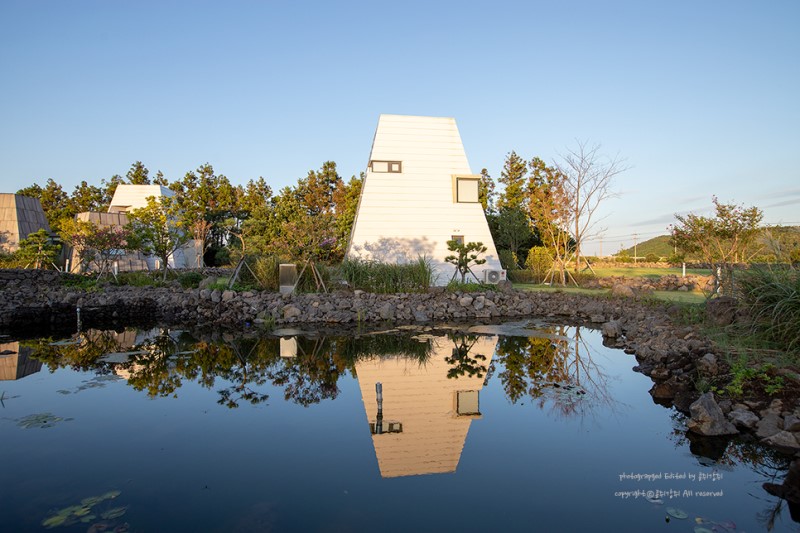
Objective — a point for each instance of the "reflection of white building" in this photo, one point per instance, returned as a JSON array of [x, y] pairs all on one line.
[[426, 415], [419, 193], [16, 362]]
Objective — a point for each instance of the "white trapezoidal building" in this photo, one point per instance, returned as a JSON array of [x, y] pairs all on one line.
[[419, 193]]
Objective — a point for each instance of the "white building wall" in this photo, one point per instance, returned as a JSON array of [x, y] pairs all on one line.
[[129, 197], [402, 216]]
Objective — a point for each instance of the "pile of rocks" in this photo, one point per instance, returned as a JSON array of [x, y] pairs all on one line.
[[645, 285]]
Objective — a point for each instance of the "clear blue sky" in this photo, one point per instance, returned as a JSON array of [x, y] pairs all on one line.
[[701, 97]]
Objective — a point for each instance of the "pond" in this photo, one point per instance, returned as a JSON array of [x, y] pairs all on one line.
[[521, 426]]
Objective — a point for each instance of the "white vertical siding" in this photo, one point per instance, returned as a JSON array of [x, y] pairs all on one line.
[[402, 216]]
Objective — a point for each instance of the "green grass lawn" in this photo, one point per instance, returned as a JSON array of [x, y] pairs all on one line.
[[652, 273], [667, 296]]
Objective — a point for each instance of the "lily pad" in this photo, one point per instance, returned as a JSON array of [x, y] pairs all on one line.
[[110, 495], [674, 512], [701, 529], [116, 512], [54, 521], [40, 420], [92, 500]]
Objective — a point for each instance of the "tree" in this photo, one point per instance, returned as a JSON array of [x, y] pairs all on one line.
[[37, 249], [466, 255], [549, 206], [513, 178], [96, 244], [486, 192], [158, 230], [87, 197], [588, 177], [720, 241], [55, 202], [138, 174], [513, 229]]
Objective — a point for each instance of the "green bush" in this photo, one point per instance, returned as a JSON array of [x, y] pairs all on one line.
[[623, 257], [523, 276], [539, 262], [676, 259], [771, 297], [651, 258], [190, 280], [138, 278], [508, 259], [372, 276]]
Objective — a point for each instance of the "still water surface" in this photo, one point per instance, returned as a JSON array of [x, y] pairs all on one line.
[[518, 427]]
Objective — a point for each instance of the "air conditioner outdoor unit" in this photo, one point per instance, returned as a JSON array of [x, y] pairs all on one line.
[[494, 276]]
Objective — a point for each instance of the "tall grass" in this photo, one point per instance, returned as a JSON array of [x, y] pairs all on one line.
[[372, 276], [772, 298]]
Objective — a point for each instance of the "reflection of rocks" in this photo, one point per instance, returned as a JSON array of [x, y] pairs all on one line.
[[712, 448], [789, 490], [708, 419]]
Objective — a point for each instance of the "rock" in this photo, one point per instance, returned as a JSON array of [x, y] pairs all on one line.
[[290, 311], [707, 365], [791, 423], [227, 296], [386, 311], [622, 291], [660, 373], [708, 419], [420, 316], [479, 303], [721, 311], [782, 439], [465, 301], [769, 424], [216, 296], [611, 329], [743, 418]]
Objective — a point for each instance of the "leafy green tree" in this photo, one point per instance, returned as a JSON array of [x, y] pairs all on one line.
[[466, 255], [721, 241], [487, 193], [157, 229], [96, 245], [513, 178], [345, 200], [37, 249], [87, 197], [55, 202], [513, 230], [138, 174]]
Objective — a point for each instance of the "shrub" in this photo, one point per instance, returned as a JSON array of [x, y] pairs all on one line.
[[523, 276], [772, 298], [623, 257], [539, 262], [651, 258], [138, 278], [190, 280], [508, 259], [676, 259]]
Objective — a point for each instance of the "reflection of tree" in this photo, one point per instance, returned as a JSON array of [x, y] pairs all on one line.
[[462, 362], [556, 365], [312, 376], [79, 353], [160, 364]]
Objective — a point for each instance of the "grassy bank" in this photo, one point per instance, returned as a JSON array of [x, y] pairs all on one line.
[[666, 296]]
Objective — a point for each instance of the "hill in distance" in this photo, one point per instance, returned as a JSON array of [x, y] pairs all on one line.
[[788, 238]]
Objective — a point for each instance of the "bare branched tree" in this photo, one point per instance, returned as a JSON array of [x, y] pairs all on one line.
[[588, 176]]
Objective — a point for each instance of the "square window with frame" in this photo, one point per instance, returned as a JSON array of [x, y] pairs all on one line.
[[466, 190], [458, 238], [394, 167]]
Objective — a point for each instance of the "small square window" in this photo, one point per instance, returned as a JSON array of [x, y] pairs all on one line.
[[458, 238], [467, 190]]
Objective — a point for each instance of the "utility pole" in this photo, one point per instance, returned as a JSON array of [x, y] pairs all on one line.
[[635, 253]]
